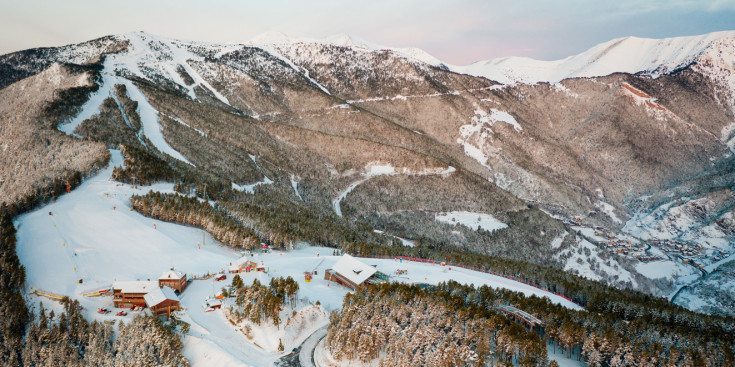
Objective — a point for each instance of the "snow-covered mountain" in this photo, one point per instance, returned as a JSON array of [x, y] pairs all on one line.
[[630, 55], [608, 137]]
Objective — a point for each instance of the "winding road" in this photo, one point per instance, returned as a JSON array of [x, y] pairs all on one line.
[[303, 355]]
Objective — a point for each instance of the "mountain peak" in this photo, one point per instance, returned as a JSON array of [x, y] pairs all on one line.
[[631, 55], [270, 37]]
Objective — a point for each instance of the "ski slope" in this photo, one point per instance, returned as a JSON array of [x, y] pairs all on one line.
[[92, 235]]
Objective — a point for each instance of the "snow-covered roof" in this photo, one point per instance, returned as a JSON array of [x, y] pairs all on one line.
[[172, 274], [135, 286], [159, 295], [245, 260], [212, 302], [354, 270]]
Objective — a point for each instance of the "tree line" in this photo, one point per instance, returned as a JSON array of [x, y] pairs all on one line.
[[68, 339], [458, 325], [191, 211], [633, 336], [403, 325], [260, 303]]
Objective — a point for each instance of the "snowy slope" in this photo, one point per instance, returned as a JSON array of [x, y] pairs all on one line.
[[143, 53], [626, 55], [92, 235], [471, 220]]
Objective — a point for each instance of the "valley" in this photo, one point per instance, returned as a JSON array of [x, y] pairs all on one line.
[[592, 193]]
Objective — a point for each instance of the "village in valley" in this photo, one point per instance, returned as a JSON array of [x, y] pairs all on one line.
[[652, 249]]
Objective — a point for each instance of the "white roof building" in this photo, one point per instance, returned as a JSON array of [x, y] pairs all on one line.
[[213, 302], [135, 286], [172, 274], [158, 295], [353, 270]]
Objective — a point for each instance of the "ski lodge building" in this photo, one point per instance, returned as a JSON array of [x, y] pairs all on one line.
[[352, 273], [129, 294], [162, 301], [176, 280]]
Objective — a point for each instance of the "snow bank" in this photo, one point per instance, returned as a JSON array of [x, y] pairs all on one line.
[[295, 328]]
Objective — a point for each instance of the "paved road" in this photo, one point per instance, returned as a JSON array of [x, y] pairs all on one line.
[[303, 355], [306, 356]]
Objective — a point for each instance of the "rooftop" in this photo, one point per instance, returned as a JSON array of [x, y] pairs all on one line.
[[135, 286], [354, 270], [172, 274], [158, 295]]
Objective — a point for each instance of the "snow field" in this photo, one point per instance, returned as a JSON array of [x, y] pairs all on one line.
[[664, 269], [471, 220]]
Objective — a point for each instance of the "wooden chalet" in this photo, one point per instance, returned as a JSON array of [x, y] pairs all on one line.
[[176, 280], [246, 266], [129, 294], [162, 301], [352, 273]]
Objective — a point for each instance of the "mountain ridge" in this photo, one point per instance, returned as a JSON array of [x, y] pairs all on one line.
[[304, 122]]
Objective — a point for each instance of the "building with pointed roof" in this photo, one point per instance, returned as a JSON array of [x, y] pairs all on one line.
[[174, 279], [351, 273], [162, 301]]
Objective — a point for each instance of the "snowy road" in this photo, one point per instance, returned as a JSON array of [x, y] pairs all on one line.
[[303, 355], [306, 355]]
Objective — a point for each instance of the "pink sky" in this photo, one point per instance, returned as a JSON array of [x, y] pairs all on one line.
[[458, 32]]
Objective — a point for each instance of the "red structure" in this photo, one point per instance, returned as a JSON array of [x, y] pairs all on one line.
[[162, 301], [131, 294]]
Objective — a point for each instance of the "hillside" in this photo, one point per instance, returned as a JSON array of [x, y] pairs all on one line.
[[633, 137]]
